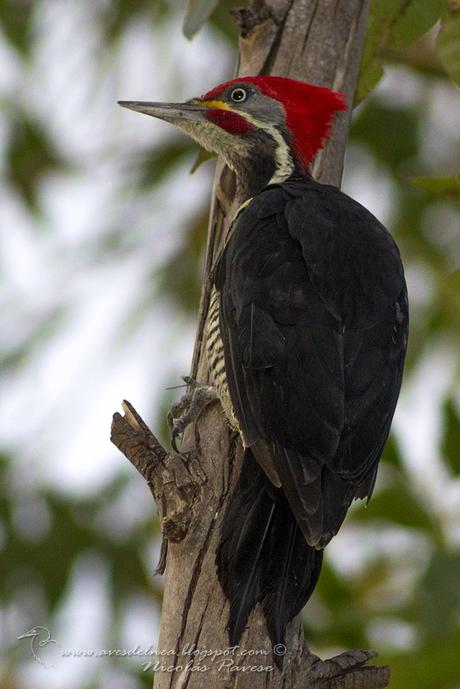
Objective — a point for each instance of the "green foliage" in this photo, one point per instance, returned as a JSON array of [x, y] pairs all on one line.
[[216, 12], [202, 157], [179, 278], [391, 453], [449, 299], [221, 20], [160, 161], [448, 187], [450, 445], [411, 19], [434, 666], [396, 504], [71, 532], [15, 18], [438, 597], [30, 155], [392, 24], [449, 43], [391, 133]]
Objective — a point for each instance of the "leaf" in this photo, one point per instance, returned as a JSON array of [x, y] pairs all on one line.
[[15, 19], [30, 154], [448, 44], [220, 21], [450, 285], [392, 24], [73, 527], [395, 504], [450, 444], [442, 186], [160, 161], [439, 595], [414, 20], [392, 453], [401, 126], [197, 13], [448, 303], [432, 666], [202, 157], [332, 588], [180, 278]]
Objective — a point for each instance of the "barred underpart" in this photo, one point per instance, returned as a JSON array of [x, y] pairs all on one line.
[[215, 353]]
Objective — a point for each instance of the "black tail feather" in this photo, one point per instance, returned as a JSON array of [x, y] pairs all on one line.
[[263, 556], [293, 574], [241, 556]]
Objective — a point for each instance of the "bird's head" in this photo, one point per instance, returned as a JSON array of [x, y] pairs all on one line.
[[264, 127]]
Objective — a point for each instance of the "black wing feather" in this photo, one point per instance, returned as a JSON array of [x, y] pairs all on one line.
[[314, 324]]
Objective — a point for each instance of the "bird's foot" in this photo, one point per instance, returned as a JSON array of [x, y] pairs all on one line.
[[189, 407]]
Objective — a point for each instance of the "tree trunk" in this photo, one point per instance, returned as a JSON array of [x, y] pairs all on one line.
[[318, 41]]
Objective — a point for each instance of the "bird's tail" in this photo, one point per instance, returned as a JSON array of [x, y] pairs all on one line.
[[263, 556]]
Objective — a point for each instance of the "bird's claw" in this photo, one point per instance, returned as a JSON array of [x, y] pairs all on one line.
[[177, 431], [188, 408]]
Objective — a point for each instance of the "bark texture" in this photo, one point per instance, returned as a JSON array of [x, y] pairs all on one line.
[[312, 40]]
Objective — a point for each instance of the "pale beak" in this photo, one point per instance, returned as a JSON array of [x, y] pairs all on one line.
[[170, 112]]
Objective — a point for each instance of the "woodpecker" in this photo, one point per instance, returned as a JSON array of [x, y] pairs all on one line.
[[306, 337]]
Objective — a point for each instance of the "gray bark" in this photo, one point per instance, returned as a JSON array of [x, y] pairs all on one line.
[[318, 41]]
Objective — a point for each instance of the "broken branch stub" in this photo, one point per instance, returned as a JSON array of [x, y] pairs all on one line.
[[173, 479]]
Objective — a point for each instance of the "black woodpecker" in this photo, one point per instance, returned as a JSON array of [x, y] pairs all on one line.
[[306, 336]]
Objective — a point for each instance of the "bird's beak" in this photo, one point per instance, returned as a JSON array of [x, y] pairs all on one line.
[[27, 635], [191, 118], [192, 111]]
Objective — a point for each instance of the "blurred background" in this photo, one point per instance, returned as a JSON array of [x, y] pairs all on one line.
[[102, 237]]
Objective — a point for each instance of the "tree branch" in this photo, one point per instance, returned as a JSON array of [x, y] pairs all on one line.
[[173, 479]]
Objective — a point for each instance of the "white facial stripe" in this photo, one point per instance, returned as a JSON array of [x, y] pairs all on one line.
[[283, 157]]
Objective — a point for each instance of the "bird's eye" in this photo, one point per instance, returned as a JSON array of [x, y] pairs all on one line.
[[238, 95]]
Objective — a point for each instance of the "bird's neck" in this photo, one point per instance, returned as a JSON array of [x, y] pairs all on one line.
[[271, 160], [258, 171]]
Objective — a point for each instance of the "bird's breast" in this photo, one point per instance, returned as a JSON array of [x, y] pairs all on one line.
[[216, 359]]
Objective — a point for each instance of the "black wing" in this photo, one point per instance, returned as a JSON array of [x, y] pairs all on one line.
[[313, 312]]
